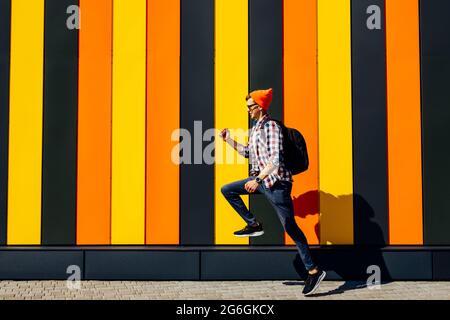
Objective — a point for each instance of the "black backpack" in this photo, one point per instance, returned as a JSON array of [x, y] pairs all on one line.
[[295, 152]]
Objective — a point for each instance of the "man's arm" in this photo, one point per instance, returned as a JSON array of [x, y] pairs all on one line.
[[240, 148]]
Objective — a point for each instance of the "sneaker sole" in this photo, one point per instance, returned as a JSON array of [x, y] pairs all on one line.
[[254, 234], [317, 284]]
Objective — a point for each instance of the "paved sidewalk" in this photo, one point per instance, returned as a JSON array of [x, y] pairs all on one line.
[[272, 290]]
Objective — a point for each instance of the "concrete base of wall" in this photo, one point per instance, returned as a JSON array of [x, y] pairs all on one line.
[[221, 262]]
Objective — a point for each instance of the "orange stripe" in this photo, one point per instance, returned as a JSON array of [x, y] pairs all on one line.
[[94, 123], [300, 106], [404, 128], [163, 117]]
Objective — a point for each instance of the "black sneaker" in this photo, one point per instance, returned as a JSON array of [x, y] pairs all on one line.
[[250, 231], [313, 281]]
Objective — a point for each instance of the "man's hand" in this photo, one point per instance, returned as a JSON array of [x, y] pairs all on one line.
[[251, 186], [225, 134]]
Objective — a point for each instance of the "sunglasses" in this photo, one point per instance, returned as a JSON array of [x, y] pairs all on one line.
[[252, 106]]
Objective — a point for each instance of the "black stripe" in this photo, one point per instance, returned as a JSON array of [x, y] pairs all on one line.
[[5, 49], [197, 104], [266, 71], [60, 126], [369, 125], [435, 71]]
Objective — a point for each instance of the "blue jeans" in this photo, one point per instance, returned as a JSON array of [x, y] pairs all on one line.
[[279, 197]]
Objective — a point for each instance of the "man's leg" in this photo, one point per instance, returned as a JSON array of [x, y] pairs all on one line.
[[232, 192], [280, 198]]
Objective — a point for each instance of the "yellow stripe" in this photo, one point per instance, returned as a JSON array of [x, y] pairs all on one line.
[[231, 87], [25, 130], [335, 122], [128, 127]]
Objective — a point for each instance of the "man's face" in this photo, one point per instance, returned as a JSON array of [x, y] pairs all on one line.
[[253, 109]]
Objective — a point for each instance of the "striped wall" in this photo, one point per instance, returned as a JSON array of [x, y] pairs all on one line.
[[94, 124], [334, 106], [5, 48], [266, 71], [26, 97], [95, 115], [403, 112], [59, 127], [231, 84]]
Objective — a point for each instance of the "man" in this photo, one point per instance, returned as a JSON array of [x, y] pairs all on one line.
[[268, 176]]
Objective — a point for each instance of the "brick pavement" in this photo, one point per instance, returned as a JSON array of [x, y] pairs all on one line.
[[226, 290]]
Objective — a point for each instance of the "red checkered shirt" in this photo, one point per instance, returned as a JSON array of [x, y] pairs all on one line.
[[266, 145]]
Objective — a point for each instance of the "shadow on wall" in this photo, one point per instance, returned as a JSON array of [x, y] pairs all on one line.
[[348, 262], [336, 225]]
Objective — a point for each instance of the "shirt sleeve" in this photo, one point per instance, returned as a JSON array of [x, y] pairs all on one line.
[[243, 150], [254, 169], [274, 138]]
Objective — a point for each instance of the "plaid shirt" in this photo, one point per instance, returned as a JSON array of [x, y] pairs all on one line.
[[264, 146]]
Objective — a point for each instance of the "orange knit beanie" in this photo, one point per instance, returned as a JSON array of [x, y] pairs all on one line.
[[262, 97]]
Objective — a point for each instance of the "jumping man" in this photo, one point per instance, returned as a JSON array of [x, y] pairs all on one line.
[[268, 176]]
